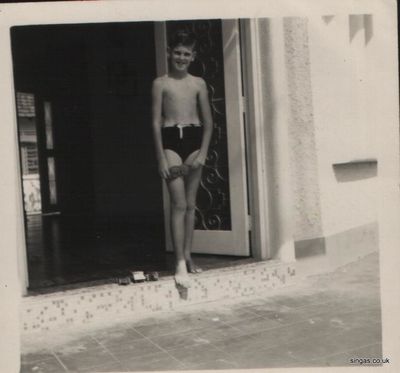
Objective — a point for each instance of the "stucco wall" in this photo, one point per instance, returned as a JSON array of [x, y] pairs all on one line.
[[301, 122]]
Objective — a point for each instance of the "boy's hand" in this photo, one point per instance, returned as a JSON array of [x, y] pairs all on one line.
[[199, 161], [163, 169]]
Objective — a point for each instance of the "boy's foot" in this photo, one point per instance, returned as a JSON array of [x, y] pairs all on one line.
[[181, 275], [192, 268]]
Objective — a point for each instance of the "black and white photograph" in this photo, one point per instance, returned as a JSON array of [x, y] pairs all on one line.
[[189, 187]]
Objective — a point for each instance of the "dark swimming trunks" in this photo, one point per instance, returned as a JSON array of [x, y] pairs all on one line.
[[182, 140]]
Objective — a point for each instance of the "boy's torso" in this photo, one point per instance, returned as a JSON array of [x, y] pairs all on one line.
[[180, 104]]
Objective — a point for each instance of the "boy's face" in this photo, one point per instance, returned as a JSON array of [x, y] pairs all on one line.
[[181, 57]]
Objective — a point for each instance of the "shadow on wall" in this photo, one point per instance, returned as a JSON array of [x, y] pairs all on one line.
[[312, 247], [355, 170]]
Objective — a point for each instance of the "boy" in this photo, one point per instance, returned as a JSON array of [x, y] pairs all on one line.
[[182, 127]]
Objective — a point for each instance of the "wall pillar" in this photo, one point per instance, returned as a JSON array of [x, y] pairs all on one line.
[[276, 119]]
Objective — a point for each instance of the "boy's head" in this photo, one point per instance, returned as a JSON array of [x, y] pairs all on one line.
[[184, 38], [181, 50]]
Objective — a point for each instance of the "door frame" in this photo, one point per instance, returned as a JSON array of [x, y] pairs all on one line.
[[258, 180], [256, 167]]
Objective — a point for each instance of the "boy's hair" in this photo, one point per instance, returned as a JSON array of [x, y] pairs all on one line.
[[182, 37]]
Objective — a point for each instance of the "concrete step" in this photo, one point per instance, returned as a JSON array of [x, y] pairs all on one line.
[[111, 302]]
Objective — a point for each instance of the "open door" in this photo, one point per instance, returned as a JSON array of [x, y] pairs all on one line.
[[222, 213]]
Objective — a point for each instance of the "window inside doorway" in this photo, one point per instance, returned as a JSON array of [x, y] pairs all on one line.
[[29, 156]]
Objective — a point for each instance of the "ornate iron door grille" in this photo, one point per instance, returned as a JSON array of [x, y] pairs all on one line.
[[213, 200]]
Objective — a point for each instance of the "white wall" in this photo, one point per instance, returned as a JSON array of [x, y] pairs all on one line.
[[11, 220], [344, 92], [330, 95]]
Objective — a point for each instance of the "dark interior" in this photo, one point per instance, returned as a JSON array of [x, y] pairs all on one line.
[[108, 218]]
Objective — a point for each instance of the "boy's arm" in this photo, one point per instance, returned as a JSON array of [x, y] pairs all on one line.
[[156, 123], [206, 116]]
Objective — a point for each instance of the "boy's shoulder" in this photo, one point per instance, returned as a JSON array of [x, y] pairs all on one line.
[[197, 81], [160, 80]]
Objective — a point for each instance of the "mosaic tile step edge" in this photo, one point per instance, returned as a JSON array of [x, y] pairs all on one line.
[[89, 306]]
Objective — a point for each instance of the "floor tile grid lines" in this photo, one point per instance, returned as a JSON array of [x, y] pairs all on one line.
[[38, 361], [98, 345], [344, 313], [279, 299], [299, 339], [187, 329], [94, 366], [240, 331], [162, 349], [222, 350], [278, 327], [198, 331], [319, 312], [274, 327], [180, 347], [188, 308], [54, 355], [259, 347], [361, 350], [194, 330], [347, 312], [258, 344], [44, 366], [248, 308], [237, 357], [108, 350], [60, 362], [340, 353], [279, 302], [209, 346], [289, 324], [342, 350], [162, 334], [221, 315]]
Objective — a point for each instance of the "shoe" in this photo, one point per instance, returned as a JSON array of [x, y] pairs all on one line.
[[123, 280], [151, 276], [138, 276]]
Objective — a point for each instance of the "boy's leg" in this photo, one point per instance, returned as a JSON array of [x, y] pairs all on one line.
[[178, 204], [192, 182]]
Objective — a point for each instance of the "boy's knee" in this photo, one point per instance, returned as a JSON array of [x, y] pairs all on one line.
[[190, 207], [179, 206]]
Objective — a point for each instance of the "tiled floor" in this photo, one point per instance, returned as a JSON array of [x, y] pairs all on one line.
[[323, 321], [74, 252]]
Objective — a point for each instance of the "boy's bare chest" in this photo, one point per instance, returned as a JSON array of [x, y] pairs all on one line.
[[180, 92]]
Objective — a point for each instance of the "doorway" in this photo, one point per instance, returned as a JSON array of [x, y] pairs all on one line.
[[101, 212]]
